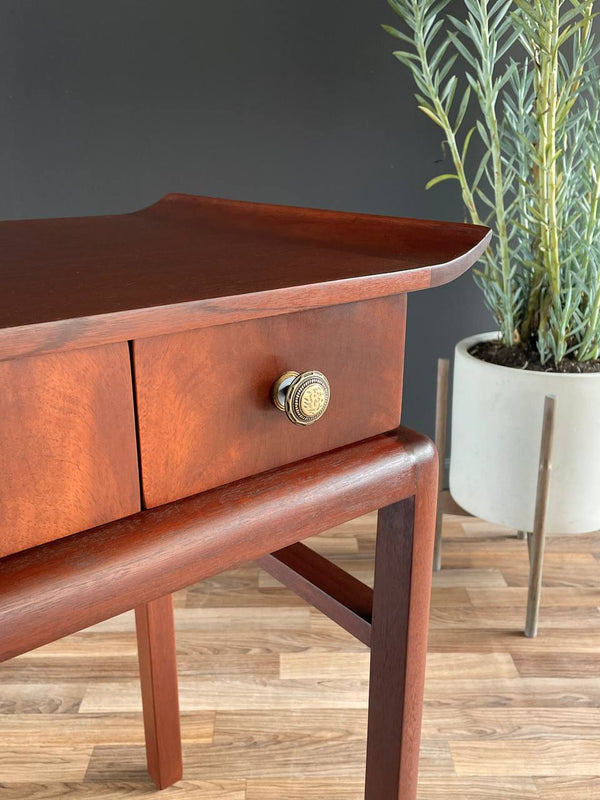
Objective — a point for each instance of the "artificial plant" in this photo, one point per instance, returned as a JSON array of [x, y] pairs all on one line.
[[525, 73]]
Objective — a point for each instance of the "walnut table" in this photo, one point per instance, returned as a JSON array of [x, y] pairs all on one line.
[[206, 382]]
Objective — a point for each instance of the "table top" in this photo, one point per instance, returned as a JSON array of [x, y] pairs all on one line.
[[191, 261]]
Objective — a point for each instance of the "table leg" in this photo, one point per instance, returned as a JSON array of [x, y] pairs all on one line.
[[158, 674], [403, 561]]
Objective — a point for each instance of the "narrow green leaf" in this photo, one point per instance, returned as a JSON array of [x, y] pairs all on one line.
[[443, 71], [397, 34], [462, 110], [462, 49], [439, 178], [432, 116], [483, 133], [466, 143]]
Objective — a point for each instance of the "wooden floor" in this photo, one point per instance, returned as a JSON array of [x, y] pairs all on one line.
[[273, 694]]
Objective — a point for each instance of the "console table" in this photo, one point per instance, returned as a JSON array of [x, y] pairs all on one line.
[[202, 383]]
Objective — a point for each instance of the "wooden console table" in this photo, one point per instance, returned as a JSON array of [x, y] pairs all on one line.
[[206, 382]]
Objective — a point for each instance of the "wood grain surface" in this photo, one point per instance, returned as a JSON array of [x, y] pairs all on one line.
[[94, 575], [195, 262], [339, 595], [401, 599], [68, 457], [389, 771], [204, 404], [160, 696], [73, 708]]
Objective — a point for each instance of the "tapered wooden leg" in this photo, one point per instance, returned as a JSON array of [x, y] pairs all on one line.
[[158, 674], [403, 571]]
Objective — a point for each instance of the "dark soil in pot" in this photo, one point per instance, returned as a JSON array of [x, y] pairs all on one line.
[[519, 357]]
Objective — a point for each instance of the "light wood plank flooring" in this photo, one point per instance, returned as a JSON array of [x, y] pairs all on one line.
[[273, 695]]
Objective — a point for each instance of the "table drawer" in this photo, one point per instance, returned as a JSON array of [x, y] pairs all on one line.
[[205, 412], [68, 457]]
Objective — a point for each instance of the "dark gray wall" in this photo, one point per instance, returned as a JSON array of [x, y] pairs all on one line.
[[106, 106]]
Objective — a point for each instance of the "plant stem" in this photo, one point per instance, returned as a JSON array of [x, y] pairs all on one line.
[[546, 112], [584, 350], [467, 195], [489, 98]]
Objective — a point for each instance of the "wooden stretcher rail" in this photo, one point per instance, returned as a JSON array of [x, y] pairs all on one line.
[[339, 595], [63, 586]]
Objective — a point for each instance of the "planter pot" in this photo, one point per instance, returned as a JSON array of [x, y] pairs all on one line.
[[496, 431]]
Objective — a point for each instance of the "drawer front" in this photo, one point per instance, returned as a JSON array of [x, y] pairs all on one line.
[[205, 413], [68, 457]]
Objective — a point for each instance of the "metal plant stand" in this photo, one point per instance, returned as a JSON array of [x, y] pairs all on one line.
[[536, 539]]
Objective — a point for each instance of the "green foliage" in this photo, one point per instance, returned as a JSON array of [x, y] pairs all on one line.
[[527, 71]]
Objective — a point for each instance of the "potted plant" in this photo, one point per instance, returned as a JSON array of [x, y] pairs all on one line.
[[529, 166]]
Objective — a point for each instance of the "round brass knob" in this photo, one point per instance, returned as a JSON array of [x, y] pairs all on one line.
[[304, 396]]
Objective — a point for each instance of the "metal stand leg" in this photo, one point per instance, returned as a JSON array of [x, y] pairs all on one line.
[[529, 537], [441, 433], [538, 539], [535, 538]]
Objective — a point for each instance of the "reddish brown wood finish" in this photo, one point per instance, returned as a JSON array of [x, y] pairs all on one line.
[[173, 277], [66, 585], [425, 507], [205, 412], [389, 651], [401, 597], [68, 456], [60, 587], [325, 586], [190, 262], [158, 674]]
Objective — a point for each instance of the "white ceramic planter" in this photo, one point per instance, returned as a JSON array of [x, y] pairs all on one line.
[[496, 430]]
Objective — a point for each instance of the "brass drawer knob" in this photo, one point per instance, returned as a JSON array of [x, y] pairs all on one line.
[[304, 396]]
